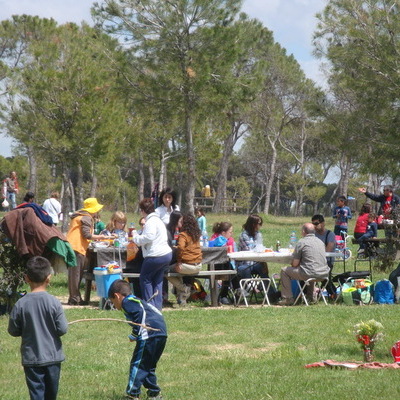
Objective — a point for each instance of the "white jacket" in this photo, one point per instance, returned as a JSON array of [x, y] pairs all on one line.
[[154, 238]]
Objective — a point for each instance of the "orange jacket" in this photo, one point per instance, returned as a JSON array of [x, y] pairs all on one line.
[[80, 231]]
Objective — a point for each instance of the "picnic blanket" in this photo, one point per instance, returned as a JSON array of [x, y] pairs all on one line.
[[352, 365]]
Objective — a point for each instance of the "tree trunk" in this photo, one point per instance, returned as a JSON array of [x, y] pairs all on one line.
[[93, 186], [66, 198], [191, 163], [32, 180], [272, 172], [222, 176], [79, 186], [141, 178]]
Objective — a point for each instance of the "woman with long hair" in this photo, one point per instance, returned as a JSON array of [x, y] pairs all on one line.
[[189, 256], [167, 201], [247, 241]]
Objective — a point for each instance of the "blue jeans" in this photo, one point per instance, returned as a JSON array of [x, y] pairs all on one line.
[[11, 198], [151, 278], [246, 271], [360, 240], [43, 381]]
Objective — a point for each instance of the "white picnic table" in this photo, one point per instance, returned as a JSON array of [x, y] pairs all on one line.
[[284, 256]]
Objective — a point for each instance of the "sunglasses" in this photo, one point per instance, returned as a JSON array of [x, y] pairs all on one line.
[[141, 224], [315, 223]]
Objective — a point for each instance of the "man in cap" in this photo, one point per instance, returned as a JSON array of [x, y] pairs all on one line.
[[79, 235]]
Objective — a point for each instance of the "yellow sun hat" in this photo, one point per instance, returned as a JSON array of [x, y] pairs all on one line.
[[91, 205]]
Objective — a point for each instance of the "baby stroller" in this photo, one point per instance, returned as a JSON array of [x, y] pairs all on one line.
[[342, 246]]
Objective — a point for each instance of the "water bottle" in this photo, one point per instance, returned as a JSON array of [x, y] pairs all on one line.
[[292, 240], [251, 244], [204, 236], [132, 231], [278, 245]]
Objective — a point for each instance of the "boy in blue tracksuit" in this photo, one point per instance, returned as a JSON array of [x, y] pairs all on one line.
[[342, 214], [150, 343]]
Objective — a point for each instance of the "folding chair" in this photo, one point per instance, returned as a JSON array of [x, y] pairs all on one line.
[[251, 284], [321, 285]]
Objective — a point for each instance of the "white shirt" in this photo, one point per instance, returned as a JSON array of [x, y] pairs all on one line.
[[154, 238], [164, 214], [53, 207]]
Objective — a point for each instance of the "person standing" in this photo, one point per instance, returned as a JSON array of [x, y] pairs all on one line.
[[39, 319], [79, 235], [341, 214], [156, 252], [53, 207], [309, 261], [167, 201], [10, 189]]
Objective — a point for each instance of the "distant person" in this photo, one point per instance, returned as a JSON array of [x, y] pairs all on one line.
[[388, 200], [372, 232], [309, 261], [362, 221], [341, 214], [206, 192], [10, 189], [201, 219], [29, 197], [167, 204], [150, 343], [53, 207], [39, 319]]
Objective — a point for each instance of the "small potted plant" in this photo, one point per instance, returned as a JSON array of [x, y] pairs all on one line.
[[367, 334]]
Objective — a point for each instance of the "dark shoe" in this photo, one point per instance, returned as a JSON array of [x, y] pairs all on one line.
[[225, 301], [286, 302], [131, 397]]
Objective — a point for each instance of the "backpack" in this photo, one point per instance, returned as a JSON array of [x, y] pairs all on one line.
[[384, 292], [357, 291]]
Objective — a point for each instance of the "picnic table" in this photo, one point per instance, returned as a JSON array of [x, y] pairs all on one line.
[[210, 257]]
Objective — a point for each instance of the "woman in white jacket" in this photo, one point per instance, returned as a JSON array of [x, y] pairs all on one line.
[[156, 252]]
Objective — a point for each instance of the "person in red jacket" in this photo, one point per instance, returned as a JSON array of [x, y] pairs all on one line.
[[362, 221]]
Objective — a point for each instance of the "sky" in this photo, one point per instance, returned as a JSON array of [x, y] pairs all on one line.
[[291, 21]]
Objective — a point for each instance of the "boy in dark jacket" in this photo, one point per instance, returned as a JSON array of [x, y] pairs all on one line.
[[39, 319], [150, 337]]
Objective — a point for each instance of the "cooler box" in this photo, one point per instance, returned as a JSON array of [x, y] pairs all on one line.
[[104, 279]]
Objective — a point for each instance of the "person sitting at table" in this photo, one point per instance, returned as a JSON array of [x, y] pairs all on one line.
[[116, 228], [372, 232], [173, 227], [222, 236], [309, 261], [188, 256], [362, 221], [167, 201], [156, 252], [247, 240], [328, 238]]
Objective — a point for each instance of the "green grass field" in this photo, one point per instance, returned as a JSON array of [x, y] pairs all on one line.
[[222, 353]]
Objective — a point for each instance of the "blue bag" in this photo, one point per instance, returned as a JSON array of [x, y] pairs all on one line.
[[384, 292], [219, 241]]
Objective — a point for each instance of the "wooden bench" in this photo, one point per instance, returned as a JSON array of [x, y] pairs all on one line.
[[211, 275]]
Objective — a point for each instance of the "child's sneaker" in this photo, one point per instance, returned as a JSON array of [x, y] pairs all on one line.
[[156, 397], [131, 397]]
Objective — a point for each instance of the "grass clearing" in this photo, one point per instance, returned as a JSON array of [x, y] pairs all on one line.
[[223, 353]]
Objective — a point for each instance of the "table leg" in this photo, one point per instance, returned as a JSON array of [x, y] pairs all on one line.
[[214, 291]]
